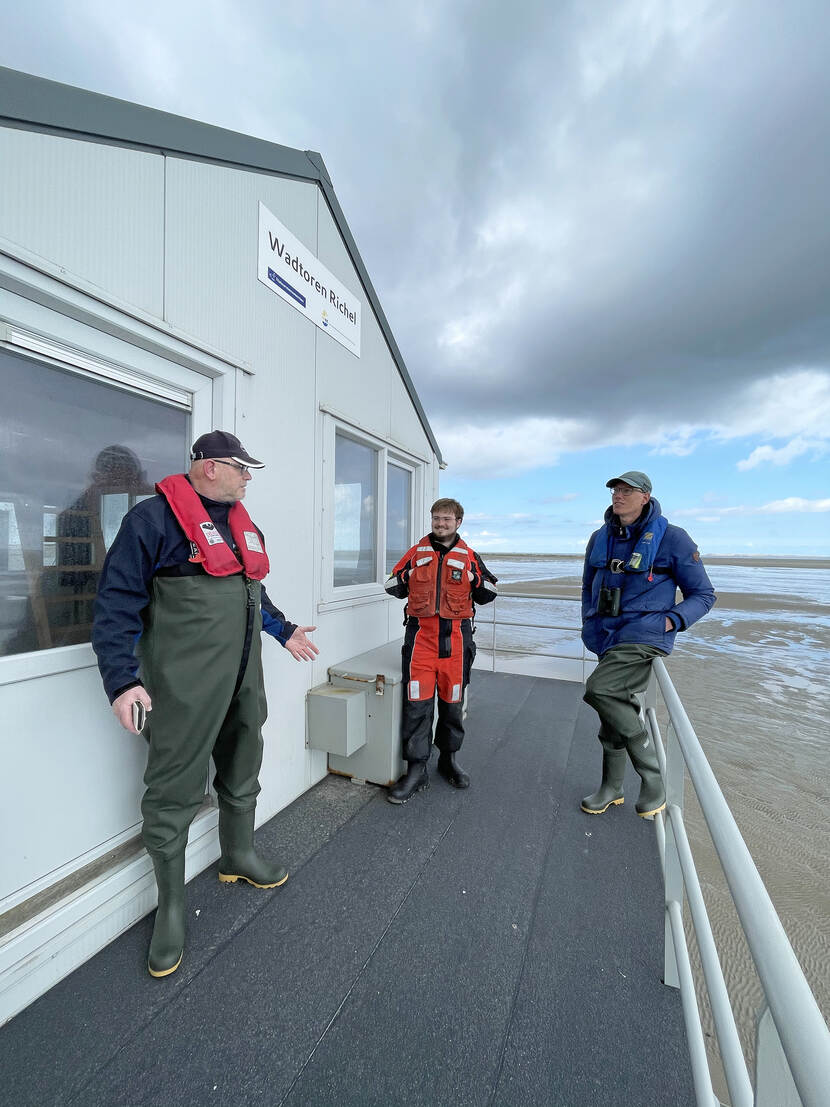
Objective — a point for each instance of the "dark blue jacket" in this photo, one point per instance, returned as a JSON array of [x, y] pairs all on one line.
[[649, 594], [150, 541]]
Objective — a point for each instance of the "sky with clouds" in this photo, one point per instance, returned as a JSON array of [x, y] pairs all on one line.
[[600, 231]]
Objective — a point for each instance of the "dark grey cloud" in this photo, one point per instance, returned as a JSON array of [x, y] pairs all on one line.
[[696, 189], [614, 211]]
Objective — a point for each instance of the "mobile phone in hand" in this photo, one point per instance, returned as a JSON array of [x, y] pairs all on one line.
[[139, 715]]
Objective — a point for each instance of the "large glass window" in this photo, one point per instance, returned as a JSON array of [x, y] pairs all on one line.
[[398, 513], [355, 512], [75, 455]]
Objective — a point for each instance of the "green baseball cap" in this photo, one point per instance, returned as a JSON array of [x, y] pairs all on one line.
[[634, 478]]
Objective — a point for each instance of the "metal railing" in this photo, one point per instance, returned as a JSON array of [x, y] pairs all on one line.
[[792, 1047], [585, 658]]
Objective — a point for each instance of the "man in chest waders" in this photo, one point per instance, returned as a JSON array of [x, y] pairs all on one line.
[[178, 617]]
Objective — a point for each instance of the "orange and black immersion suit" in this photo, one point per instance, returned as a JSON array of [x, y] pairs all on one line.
[[441, 585]]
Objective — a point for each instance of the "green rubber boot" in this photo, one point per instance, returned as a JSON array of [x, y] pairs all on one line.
[[610, 791], [239, 860], [167, 943], [643, 756]]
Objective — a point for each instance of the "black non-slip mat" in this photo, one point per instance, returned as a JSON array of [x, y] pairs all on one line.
[[493, 945]]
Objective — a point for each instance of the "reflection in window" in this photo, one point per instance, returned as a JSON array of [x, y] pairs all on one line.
[[75, 455], [398, 513], [355, 512]]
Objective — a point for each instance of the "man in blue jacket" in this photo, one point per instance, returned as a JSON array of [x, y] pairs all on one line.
[[634, 565]]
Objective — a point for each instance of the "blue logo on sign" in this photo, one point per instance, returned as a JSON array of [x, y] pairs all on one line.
[[280, 282]]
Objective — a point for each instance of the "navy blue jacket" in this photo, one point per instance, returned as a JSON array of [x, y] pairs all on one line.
[[150, 540], [649, 595]]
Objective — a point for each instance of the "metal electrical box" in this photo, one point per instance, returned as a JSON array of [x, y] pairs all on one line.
[[356, 716]]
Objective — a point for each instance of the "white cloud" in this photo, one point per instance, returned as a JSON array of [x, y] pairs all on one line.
[[677, 442], [505, 449], [794, 404], [775, 507], [794, 503], [484, 540], [784, 454]]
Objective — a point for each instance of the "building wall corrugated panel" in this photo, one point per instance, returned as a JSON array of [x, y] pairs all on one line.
[[95, 210], [347, 383], [404, 425], [211, 285]]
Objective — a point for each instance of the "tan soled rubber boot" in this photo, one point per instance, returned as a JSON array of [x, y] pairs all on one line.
[[239, 860], [643, 756], [167, 943], [610, 791]]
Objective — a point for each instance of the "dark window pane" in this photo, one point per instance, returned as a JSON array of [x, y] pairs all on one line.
[[75, 454], [355, 513], [398, 514]]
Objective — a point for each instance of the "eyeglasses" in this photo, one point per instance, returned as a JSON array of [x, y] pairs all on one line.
[[443, 518], [232, 465], [624, 490]]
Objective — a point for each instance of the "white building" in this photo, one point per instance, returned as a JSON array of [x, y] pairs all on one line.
[[151, 289]]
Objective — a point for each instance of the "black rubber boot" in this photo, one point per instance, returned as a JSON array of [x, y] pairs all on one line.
[[643, 756], [451, 771], [610, 791], [167, 943], [239, 860], [413, 781]]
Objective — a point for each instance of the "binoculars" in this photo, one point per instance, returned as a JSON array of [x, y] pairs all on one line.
[[609, 601]]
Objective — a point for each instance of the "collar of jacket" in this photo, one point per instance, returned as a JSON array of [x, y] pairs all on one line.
[[439, 547], [647, 533]]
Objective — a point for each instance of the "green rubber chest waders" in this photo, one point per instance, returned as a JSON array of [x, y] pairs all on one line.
[[191, 653]]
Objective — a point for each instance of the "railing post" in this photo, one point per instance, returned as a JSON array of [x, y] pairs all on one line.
[[672, 767]]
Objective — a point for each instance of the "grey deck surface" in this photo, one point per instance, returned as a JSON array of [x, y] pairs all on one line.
[[493, 946]]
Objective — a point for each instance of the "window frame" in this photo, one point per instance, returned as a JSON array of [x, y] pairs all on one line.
[[409, 467], [386, 451], [38, 333]]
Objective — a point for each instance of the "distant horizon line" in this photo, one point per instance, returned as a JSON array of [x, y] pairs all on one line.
[[709, 556]]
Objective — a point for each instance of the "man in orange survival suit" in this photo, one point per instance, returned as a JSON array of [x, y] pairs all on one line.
[[442, 578]]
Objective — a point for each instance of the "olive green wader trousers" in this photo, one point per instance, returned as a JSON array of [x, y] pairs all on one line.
[[612, 689], [190, 655]]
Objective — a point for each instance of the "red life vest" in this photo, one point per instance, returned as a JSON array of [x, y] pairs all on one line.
[[209, 547], [448, 595]]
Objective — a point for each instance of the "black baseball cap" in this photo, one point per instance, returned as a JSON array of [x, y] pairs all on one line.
[[634, 478], [223, 444]]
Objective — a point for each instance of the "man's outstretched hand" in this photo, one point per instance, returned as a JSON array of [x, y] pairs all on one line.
[[300, 646]]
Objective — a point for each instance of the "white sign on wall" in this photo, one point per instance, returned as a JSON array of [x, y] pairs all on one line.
[[286, 267]]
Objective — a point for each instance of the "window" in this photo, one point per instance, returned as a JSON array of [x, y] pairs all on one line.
[[370, 508], [399, 535], [355, 512], [75, 454]]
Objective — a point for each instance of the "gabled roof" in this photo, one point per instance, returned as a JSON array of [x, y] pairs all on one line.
[[38, 104]]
